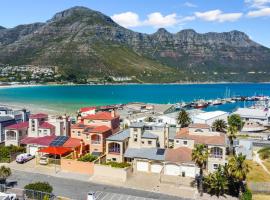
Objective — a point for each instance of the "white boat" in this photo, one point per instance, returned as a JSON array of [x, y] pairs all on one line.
[[253, 127]]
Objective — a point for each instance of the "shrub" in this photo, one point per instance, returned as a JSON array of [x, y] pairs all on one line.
[[7, 151], [247, 195], [118, 165], [87, 158], [33, 190]]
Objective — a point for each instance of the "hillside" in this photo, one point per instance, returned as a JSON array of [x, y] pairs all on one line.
[[84, 43]]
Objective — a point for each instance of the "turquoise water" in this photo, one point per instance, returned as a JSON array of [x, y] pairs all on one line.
[[70, 98]]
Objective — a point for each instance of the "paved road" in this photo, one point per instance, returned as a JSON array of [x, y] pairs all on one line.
[[75, 189]]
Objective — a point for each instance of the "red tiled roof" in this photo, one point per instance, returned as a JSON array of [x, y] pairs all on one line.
[[38, 116], [100, 116], [179, 155], [79, 126], [203, 139], [85, 109], [56, 150], [46, 125], [72, 143], [100, 129], [18, 126], [197, 125], [44, 141]]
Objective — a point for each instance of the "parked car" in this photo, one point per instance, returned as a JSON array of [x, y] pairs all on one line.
[[24, 157], [44, 160], [4, 196], [91, 196]]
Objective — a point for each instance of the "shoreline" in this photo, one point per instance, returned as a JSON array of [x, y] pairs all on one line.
[[124, 84]]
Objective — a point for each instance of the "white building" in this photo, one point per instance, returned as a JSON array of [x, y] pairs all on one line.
[[210, 117], [259, 115]]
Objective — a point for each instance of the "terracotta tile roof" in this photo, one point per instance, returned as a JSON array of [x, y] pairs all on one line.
[[18, 126], [44, 141], [101, 116], [38, 116], [79, 126], [72, 143], [202, 139], [100, 129], [46, 125], [179, 155], [91, 129], [197, 125], [85, 109]]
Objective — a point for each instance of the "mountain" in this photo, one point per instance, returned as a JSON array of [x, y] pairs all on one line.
[[85, 43]]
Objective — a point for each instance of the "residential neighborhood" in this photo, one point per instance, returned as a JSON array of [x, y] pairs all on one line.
[[145, 142]]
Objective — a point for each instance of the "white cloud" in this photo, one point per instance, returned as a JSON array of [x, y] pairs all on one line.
[[257, 3], [218, 15], [127, 19], [190, 5], [157, 20], [259, 13]]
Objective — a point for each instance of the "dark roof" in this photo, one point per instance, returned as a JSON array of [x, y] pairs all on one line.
[[149, 135], [120, 136], [59, 141], [5, 118], [146, 153]]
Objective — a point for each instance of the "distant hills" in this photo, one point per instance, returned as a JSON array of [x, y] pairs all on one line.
[[84, 43]]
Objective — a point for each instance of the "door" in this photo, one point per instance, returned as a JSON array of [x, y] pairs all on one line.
[[172, 169], [142, 166], [156, 167], [33, 150]]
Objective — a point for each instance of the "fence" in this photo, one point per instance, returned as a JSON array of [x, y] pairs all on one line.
[[259, 187]]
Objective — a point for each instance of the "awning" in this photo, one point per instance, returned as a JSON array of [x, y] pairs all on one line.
[[55, 150]]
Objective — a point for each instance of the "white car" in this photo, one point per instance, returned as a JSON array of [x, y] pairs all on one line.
[[44, 160], [4, 196], [24, 157], [91, 196]]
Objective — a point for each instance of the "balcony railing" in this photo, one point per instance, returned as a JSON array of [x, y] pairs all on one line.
[[114, 150], [215, 156], [96, 142]]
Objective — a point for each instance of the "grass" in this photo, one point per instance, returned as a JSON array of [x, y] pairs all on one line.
[[256, 173], [267, 164], [260, 197]]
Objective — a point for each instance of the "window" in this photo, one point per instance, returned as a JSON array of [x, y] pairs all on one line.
[[79, 133], [185, 142], [177, 141], [113, 159], [149, 142], [216, 152], [215, 166], [142, 142], [199, 130], [135, 139], [135, 129], [87, 137]]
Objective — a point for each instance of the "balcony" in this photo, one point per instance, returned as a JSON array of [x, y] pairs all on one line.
[[96, 142], [215, 156], [114, 151]]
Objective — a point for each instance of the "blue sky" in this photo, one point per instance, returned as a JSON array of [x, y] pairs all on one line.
[[249, 16]]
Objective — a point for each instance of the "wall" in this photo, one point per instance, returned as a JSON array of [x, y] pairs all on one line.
[[77, 166], [110, 173]]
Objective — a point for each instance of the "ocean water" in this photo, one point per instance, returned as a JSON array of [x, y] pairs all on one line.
[[70, 98]]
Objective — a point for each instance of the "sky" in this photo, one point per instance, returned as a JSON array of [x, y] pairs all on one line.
[[146, 16]]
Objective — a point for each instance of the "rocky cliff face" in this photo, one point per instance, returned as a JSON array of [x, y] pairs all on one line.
[[83, 42]]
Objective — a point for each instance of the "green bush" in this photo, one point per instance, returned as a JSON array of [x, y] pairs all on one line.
[[247, 195], [87, 158], [118, 165], [33, 189], [7, 151]]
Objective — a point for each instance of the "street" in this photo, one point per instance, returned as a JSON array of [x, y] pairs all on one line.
[[75, 189]]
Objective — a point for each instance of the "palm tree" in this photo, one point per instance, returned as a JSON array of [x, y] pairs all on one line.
[[235, 120], [238, 168], [200, 156], [183, 118], [219, 125], [231, 133], [217, 183], [5, 172]]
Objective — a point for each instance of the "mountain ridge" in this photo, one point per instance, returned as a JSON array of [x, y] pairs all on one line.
[[86, 43]]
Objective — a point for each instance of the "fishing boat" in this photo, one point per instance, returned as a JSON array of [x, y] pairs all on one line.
[[217, 102], [200, 104]]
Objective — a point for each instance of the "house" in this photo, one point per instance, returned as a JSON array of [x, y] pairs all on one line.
[[20, 115], [4, 122], [94, 136], [15, 133], [210, 117], [109, 119], [201, 134], [87, 111], [258, 115]]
